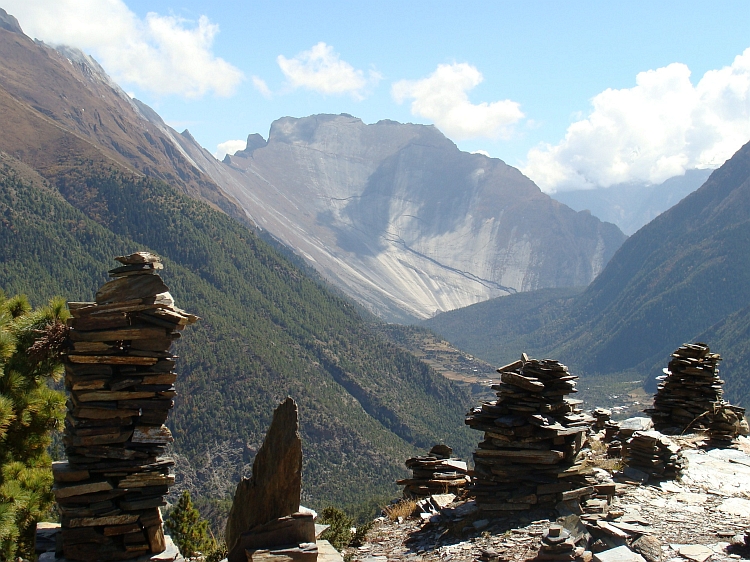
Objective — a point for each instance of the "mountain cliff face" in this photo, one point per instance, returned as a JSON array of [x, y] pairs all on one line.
[[402, 220]]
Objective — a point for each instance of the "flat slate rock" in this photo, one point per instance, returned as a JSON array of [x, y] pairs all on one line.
[[139, 258], [619, 554], [636, 424], [696, 552], [130, 288]]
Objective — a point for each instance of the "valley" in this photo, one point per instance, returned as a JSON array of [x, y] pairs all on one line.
[[375, 273]]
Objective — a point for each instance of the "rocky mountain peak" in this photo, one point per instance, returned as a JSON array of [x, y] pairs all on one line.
[[9, 22], [404, 221], [254, 141]]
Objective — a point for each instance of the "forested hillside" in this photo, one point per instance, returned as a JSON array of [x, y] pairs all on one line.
[[498, 330], [267, 330]]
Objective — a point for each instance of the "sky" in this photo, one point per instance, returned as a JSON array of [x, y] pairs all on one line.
[[575, 94]]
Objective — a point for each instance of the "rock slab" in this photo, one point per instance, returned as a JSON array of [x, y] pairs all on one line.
[[619, 554], [273, 491]]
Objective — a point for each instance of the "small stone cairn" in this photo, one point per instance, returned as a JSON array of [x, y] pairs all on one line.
[[601, 417], [436, 473], [727, 422], [558, 544], [689, 396], [688, 390], [119, 373], [655, 454], [533, 435]]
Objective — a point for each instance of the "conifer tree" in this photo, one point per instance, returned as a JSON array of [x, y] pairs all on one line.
[[187, 529], [30, 345]]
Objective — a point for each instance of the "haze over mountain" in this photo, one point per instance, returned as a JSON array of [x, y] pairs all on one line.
[[632, 205], [683, 276]]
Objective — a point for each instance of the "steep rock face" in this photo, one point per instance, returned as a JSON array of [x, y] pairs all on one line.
[[403, 221]]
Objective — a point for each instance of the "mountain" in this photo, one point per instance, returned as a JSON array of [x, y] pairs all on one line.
[[393, 214], [69, 204], [632, 205], [47, 95], [683, 276], [402, 220]]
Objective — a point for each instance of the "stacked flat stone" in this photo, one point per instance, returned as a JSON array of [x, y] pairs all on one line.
[[119, 373], [655, 454], [688, 390], [601, 417], [559, 545], [611, 431], [726, 423], [533, 435], [436, 473]]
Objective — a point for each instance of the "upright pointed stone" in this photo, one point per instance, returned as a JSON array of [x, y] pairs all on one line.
[[273, 490]]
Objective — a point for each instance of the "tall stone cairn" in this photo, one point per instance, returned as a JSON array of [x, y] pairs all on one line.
[[119, 373], [689, 390], [689, 397], [533, 434]]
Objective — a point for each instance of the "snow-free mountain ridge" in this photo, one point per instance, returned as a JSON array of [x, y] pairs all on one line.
[[405, 222]]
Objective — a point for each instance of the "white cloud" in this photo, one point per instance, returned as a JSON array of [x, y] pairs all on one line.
[[442, 98], [262, 87], [229, 147], [321, 69], [482, 152], [162, 54], [658, 129]]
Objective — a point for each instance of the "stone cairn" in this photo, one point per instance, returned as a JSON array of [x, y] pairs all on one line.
[[533, 435], [689, 396], [119, 373], [601, 417], [436, 473], [688, 390], [266, 522], [727, 422], [558, 544], [655, 454]]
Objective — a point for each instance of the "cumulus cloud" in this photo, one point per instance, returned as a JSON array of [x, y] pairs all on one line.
[[229, 147], [166, 55], [442, 98], [658, 129], [321, 69]]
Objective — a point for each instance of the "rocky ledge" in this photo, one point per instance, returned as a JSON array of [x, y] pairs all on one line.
[[702, 517]]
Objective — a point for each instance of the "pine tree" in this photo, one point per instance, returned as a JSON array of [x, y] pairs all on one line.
[[187, 529], [339, 534], [30, 345]]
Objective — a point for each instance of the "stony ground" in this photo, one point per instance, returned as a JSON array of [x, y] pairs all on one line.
[[697, 518]]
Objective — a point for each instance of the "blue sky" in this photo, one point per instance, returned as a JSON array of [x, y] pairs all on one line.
[[577, 94]]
